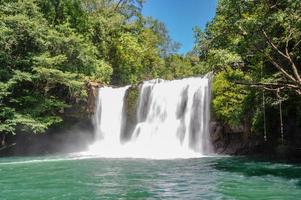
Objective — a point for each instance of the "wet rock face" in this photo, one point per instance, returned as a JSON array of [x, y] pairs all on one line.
[[92, 96], [217, 136], [228, 140]]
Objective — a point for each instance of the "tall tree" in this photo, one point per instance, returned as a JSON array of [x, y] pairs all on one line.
[[253, 47]]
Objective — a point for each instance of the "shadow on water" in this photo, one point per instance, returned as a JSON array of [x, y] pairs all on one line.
[[254, 167]]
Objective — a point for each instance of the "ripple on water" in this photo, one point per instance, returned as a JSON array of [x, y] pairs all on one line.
[[95, 178]]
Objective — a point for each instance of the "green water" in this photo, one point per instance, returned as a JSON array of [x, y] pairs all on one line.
[[97, 178]]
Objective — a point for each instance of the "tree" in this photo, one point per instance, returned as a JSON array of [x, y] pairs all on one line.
[[260, 32], [50, 49], [260, 40], [43, 67]]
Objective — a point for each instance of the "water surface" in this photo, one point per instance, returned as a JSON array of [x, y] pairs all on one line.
[[65, 177]]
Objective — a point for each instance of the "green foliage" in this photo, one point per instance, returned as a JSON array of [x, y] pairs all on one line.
[[131, 99], [252, 46], [129, 51], [179, 66], [220, 59], [136, 54], [50, 49], [229, 98], [42, 67]]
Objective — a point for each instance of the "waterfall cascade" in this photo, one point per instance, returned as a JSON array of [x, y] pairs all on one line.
[[171, 120]]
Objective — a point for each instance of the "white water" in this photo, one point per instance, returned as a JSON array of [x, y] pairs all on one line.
[[172, 121]]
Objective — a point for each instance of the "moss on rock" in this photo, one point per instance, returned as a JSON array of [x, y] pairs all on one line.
[[131, 99], [130, 110]]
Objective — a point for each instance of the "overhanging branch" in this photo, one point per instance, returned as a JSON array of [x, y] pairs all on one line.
[[271, 86]]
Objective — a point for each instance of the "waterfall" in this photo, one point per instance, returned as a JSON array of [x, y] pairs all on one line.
[[108, 115], [171, 120]]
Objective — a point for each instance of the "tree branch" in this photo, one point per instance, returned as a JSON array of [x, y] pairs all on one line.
[[119, 2], [297, 44], [280, 68], [293, 65], [273, 45], [286, 55], [271, 86], [267, 84]]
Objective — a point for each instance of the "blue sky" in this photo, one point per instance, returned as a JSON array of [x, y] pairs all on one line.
[[180, 16]]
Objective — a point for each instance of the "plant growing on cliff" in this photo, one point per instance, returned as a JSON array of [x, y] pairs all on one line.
[[131, 101]]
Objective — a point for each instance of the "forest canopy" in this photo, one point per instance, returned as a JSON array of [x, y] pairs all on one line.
[[50, 49]]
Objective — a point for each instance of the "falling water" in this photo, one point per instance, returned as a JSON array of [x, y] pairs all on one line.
[[171, 121]]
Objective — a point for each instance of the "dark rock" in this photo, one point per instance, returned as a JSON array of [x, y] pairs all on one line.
[[92, 96]]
